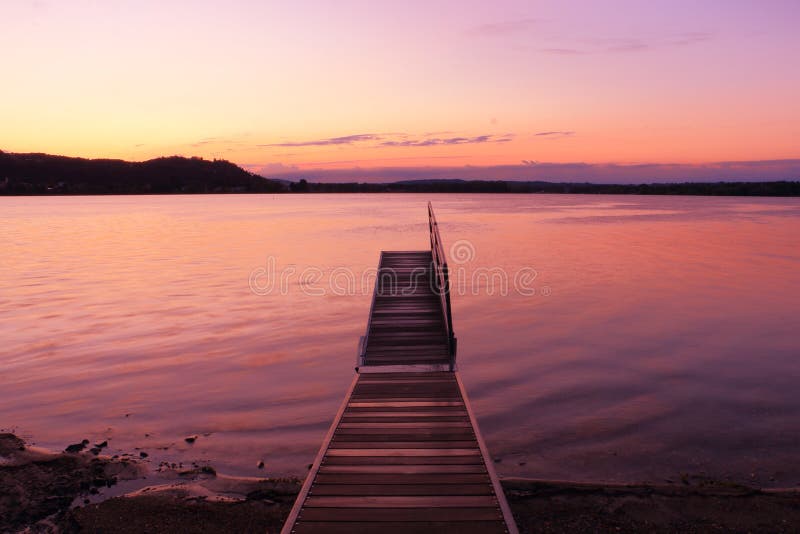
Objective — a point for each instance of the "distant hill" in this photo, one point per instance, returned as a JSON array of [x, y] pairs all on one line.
[[42, 174], [36, 174]]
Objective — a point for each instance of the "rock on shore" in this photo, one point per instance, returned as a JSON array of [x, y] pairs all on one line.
[[37, 487]]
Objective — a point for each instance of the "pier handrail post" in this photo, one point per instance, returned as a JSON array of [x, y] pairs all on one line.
[[441, 283]]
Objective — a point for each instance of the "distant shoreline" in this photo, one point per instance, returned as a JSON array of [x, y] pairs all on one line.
[[48, 175]]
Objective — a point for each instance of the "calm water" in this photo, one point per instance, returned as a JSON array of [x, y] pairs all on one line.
[[661, 338]]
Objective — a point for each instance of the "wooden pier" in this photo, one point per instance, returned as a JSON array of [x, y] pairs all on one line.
[[404, 453]]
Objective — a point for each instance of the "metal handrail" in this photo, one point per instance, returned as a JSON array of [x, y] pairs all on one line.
[[441, 283]]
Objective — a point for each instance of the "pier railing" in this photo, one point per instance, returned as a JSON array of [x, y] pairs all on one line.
[[441, 283]]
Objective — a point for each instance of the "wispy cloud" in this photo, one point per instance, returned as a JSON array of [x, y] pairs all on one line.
[[563, 51], [503, 27], [396, 140], [203, 142], [374, 161], [268, 169], [689, 38], [221, 142], [343, 140], [555, 134], [621, 45], [624, 45], [434, 141]]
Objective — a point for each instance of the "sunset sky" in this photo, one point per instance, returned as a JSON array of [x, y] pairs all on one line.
[[330, 86]]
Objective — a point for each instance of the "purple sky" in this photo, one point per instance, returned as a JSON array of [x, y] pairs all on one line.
[[665, 88]]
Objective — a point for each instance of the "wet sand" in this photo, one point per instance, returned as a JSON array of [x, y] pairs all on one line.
[[43, 491], [697, 506]]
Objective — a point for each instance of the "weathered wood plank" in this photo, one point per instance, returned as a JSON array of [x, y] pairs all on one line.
[[419, 451], [418, 440], [404, 404], [417, 375], [380, 489], [400, 446], [365, 527], [417, 435], [405, 399], [382, 379], [406, 393], [394, 425], [401, 460], [417, 360], [441, 478], [427, 501], [415, 431], [402, 514], [405, 469], [417, 389], [404, 417], [398, 409]]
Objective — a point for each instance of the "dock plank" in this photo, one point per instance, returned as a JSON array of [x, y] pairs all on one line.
[[405, 527], [385, 456], [402, 514]]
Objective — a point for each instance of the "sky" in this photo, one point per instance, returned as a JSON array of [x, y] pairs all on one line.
[[502, 89]]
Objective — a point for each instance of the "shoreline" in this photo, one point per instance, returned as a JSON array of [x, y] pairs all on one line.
[[43, 491], [46, 174]]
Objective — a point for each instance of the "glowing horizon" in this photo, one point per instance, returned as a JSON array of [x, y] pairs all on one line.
[[313, 85]]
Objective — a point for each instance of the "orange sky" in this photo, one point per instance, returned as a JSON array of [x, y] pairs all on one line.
[[321, 85]]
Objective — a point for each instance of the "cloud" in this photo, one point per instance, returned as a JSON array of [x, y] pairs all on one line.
[[372, 161], [563, 51], [503, 27], [396, 140], [344, 140], [688, 38], [622, 45], [271, 168], [206, 141], [531, 170], [640, 45], [555, 134], [435, 141], [227, 142]]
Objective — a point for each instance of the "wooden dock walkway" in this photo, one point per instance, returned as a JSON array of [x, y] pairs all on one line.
[[404, 453], [406, 325]]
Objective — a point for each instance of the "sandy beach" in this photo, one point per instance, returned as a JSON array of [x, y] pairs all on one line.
[[42, 491]]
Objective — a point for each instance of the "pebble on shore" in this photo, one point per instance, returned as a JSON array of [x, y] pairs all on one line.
[[77, 447]]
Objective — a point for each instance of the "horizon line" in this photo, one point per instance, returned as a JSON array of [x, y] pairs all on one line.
[[622, 173]]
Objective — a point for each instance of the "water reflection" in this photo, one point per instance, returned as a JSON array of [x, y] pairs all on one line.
[[666, 343]]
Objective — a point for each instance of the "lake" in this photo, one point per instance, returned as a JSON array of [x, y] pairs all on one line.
[[600, 338]]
